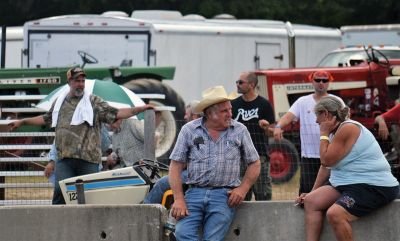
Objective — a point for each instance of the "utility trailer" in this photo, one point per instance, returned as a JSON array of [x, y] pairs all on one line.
[[205, 52]]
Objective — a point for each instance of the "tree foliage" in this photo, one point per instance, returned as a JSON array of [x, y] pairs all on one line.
[[329, 13]]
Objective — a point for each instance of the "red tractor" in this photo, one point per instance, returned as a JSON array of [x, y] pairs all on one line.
[[368, 87]]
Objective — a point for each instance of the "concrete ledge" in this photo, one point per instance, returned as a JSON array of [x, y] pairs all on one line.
[[256, 221], [82, 223], [277, 221]]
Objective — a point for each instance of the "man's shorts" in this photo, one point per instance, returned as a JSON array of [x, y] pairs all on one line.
[[361, 199]]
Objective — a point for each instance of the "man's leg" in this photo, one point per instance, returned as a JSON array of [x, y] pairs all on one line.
[[187, 228], [218, 215], [263, 186], [156, 193], [70, 167], [162, 185], [84, 167], [64, 169]]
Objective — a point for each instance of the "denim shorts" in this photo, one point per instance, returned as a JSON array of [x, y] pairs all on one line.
[[361, 199]]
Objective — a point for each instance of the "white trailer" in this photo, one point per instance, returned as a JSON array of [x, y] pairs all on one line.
[[379, 34], [205, 52], [14, 46]]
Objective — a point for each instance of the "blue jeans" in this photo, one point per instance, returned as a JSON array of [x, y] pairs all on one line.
[[70, 167], [207, 207], [162, 185]]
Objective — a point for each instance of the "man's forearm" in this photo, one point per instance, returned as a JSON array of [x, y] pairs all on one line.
[[125, 113], [175, 180], [37, 121], [285, 120], [379, 119], [251, 175]]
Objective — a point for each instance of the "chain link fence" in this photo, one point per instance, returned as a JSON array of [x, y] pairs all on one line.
[[23, 157]]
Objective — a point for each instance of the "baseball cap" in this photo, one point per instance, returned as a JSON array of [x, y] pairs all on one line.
[[75, 72]]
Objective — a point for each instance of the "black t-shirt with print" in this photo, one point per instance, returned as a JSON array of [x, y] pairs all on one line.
[[249, 113]]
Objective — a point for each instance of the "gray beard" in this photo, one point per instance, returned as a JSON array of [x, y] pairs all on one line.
[[78, 92]]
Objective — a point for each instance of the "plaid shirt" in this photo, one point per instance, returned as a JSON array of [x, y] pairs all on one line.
[[214, 163], [128, 142]]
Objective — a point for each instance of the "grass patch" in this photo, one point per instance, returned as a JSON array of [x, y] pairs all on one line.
[[37, 193], [287, 190]]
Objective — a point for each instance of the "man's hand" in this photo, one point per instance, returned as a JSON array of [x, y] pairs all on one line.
[[49, 169], [264, 124], [15, 125], [111, 162], [236, 196], [179, 209], [383, 131]]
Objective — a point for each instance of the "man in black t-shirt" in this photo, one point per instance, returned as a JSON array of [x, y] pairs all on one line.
[[256, 113]]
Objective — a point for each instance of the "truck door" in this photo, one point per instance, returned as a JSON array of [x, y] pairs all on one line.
[[268, 55], [111, 48]]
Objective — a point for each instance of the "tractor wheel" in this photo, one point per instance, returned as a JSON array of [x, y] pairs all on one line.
[[284, 160], [171, 121]]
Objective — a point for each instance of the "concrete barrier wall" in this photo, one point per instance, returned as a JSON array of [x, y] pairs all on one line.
[[256, 221], [282, 221], [82, 223]]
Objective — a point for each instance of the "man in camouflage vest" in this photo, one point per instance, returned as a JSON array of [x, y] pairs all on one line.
[[77, 128]]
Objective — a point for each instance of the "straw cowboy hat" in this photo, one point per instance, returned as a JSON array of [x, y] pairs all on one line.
[[213, 96]]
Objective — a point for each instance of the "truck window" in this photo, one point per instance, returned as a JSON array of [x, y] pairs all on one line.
[[343, 59]]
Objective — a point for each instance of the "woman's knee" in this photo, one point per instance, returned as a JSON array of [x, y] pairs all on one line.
[[336, 214], [310, 202]]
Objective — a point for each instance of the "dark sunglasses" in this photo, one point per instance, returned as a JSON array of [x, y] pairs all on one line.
[[323, 80], [240, 82]]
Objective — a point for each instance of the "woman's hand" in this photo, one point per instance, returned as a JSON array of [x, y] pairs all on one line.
[[300, 200], [328, 125]]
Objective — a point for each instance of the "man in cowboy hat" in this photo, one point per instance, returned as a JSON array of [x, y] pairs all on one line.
[[162, 185], [211, 147]]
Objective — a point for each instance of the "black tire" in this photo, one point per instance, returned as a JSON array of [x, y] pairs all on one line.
[[284, 160], [172, 121]]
